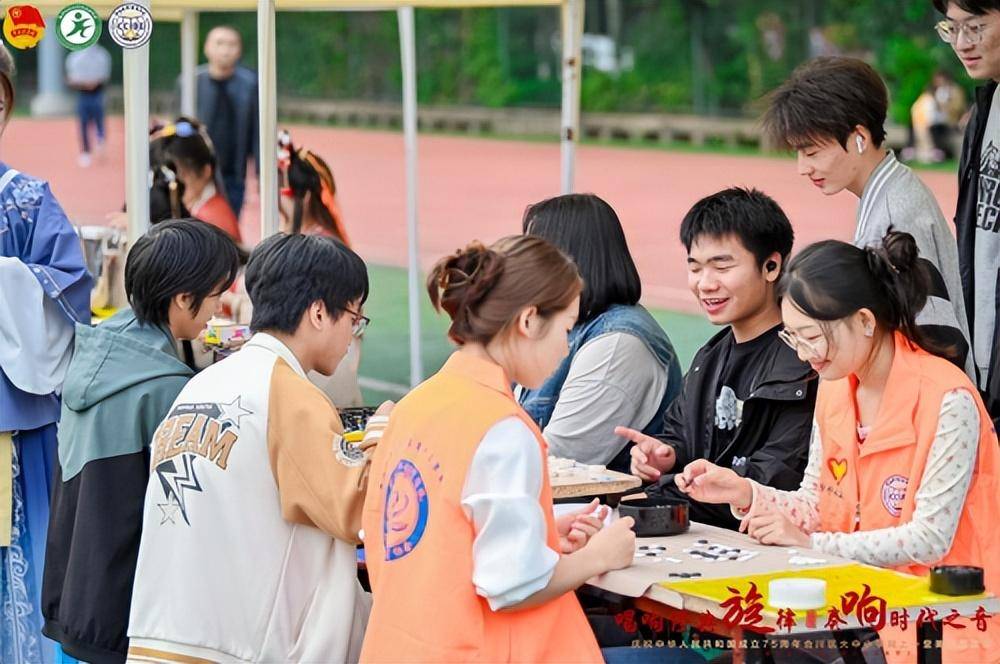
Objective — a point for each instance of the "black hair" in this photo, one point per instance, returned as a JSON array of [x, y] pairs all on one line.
[[306, 175], [166, 195], [826, 99], [748, 214], [193, 152], [831, 280], [977, 7], [175, 257], [7, 70], [288, 273], [586, 228]]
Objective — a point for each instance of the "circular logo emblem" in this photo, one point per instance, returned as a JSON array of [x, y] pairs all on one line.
[[78, 26], [406, 508], [130, 25], [893, 493], [23, 26]]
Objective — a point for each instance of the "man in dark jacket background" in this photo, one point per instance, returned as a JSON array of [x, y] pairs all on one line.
[[972, 27], [747, 401], [227, 104]]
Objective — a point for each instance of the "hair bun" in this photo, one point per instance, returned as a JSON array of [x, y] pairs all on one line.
[[470, 274], [900, 250], [464, 279]]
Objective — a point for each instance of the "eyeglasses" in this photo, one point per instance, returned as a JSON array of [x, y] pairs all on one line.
[[360, 323], [795, 343], [950, 30]]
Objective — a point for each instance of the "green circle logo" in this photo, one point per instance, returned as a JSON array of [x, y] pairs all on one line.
[[78, 26]]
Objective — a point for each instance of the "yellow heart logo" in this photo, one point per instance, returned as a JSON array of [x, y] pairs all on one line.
[[838, 467]]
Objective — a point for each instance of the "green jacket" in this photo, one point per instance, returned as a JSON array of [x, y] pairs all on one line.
[[120, 385], [121, 381]]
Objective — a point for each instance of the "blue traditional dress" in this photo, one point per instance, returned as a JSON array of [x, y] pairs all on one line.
[[44, 291]]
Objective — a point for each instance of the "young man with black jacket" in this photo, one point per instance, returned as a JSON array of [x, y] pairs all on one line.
[[972, 27], [747, 401]]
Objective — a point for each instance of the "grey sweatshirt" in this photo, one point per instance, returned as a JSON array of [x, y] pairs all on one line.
[[895, 196]]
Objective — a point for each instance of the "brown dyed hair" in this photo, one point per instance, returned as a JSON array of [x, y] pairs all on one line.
[[6, 82], [825, 99], [483, 289]]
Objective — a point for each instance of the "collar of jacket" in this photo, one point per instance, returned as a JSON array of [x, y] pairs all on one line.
[[781, 376]]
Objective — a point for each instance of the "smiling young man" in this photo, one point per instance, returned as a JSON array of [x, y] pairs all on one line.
[[747, 401], [831, 112], [972, 27]]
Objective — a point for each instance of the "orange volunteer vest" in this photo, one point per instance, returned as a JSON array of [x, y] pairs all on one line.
[[418, 539], [871, 486]]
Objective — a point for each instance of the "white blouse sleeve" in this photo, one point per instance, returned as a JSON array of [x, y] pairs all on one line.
[[938, 503], [800, 506], [36, 338], [511, 560]]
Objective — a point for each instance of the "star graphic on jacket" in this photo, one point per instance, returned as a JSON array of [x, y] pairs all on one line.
[[233, 412], [168, 511]]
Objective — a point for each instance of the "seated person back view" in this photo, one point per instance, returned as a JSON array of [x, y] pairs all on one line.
[[747, 401], [621, 368]]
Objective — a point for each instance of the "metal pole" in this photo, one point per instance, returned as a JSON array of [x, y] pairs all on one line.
[[407, 48], [572, 40], [53, 99], [189, 63], [268, 109], [135, 81]]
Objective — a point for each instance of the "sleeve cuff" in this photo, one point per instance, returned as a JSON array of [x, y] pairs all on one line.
[[740, 513], [518, 594]]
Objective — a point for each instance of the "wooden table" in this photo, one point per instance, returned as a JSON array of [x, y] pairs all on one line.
[[583, 484], [689, 602]]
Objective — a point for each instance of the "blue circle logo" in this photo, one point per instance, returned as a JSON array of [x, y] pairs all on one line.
[[405, 514]]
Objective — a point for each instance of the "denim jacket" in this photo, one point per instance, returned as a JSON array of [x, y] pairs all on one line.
[[634, 320]]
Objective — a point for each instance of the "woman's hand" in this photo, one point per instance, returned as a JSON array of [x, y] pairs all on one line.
[[577, 527], [708, 483], [775, 528]]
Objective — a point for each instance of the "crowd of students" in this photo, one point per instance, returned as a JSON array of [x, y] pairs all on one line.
[[848, 404]]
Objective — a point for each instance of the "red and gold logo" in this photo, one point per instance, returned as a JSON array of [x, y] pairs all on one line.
[[23, 26]]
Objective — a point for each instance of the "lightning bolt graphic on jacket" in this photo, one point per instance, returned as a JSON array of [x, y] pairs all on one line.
[[174, 482]]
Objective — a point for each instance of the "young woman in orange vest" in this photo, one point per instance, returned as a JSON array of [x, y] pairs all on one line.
[[903, 460], [465, 557]]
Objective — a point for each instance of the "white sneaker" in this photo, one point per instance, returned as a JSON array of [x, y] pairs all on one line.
[[83, 161]]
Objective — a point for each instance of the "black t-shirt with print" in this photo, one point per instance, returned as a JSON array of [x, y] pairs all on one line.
[[735, 385]]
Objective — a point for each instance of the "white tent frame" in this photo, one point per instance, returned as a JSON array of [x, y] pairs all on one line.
[[136, 94]]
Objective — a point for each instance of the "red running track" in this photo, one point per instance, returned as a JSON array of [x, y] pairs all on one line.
[[472, 188]]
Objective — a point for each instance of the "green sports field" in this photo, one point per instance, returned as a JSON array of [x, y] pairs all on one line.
[[385, 362]]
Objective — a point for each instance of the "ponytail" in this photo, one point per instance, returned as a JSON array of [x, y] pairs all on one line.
[[832, 280]]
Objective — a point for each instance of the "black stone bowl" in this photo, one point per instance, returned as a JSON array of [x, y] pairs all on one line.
[[355, 419], [657, 516], [957, 580]]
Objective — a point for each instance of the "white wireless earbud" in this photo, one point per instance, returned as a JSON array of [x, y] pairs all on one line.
[[869, 332], [861, 144]]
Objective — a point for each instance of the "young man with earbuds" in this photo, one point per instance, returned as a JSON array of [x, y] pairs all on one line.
[[831, 112], [747, 400]]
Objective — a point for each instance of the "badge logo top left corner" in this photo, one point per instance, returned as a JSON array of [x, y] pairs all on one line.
[[130, 25], [23, 26], [78, 26]]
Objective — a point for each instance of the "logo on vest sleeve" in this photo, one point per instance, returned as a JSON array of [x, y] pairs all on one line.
[[404, 518], [893, 494]]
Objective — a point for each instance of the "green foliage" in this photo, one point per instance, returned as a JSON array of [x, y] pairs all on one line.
[[707, 56]]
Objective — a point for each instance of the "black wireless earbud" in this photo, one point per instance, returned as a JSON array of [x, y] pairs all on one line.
[[771, 266]]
